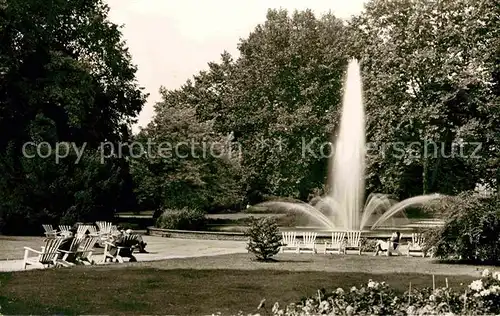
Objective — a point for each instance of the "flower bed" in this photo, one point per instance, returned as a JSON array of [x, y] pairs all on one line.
[[482, 297]]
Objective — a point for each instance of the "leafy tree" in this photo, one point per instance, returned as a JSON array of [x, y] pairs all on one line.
[[66, 77], [264, 238], [186, 163], [281, 94], [428, 70]]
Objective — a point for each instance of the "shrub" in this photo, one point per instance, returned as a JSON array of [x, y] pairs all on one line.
[[182, 219], [264, 238], [471, 231]]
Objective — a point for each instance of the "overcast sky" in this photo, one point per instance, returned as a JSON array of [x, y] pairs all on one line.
[[171, 40]]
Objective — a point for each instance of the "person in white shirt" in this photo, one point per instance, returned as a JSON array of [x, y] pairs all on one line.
[[390, 246]]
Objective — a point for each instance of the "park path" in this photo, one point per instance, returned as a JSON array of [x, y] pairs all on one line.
[[159, 248], [228, 254]]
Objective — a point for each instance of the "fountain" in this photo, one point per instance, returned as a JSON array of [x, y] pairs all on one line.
[[342, 208]]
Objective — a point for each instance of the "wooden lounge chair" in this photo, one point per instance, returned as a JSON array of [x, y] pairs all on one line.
[[337, 244], [124, 248], [289, 241], [104, 227], [417, 244], [69, 257], [50, 232], [93, 231], [104, 232], [65, 230], [308, 242], [82, 230], [353, 241], [84, 252], [45, 257]]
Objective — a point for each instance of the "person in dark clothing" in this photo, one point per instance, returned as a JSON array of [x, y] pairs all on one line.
[[140, 244], [66, 243], [126, 246]]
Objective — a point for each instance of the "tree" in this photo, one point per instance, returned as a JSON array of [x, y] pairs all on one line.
[[66, 78], [427, 69], [281, 94], [186, 163]]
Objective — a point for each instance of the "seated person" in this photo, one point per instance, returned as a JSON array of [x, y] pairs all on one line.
[[140, 244], [130, 241], [66, 243], [390, 246], [119, 240]]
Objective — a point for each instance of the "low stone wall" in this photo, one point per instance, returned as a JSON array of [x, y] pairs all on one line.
[[214, 235], [190, 234]]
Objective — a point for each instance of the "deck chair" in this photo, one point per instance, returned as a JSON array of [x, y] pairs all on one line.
[[104, 227], [104, 232], [308, 242], [337, 243], [93, 231], [124, 248], [50, 232], [289, 241], [69, 256], [65, 230], [84, 252], [353, 241], [82, 230], [45, 257], [417, 244]]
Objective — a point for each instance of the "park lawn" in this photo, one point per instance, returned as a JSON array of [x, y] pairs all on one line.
[[147, 290]]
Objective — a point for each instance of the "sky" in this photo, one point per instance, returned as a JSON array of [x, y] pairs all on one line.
[[171, 40]]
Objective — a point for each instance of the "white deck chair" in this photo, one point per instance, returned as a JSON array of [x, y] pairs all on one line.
[[308, 242], [417, 244], [104, 227], [82, 230], [50, 232], [337, 243], [69, 256], [84, 253], [289, 241], [65, 230], [104, 232], [125, 245], [45, 257], [353, 241], [93, 231]]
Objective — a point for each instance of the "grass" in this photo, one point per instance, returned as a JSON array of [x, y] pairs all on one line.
[[205, 285], [178, 291]]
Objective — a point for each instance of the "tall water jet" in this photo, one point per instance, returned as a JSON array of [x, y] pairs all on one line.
[[344, 207], [347, 166]]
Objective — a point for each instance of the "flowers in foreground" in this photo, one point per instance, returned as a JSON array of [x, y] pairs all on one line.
[[476, 285]]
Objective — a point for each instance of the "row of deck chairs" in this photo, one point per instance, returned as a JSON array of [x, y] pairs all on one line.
[[80, 251], [340, 243], [82, 246], [104, 230]]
